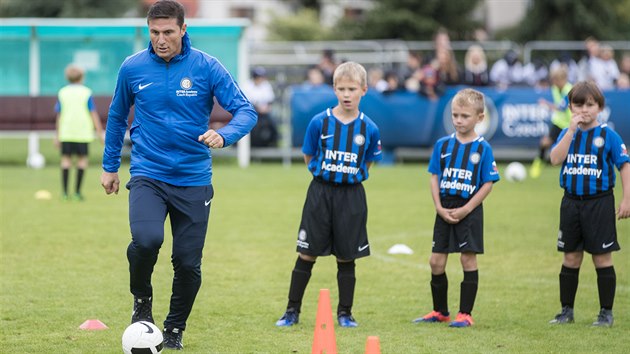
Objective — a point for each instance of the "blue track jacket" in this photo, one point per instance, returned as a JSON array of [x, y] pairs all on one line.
[[172, 104]]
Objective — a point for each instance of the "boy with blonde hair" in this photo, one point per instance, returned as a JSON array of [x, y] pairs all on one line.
[[77, 119], [463, 171], [340, 145]]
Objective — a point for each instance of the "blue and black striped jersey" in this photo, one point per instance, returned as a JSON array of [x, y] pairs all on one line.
[[462, 168], [589, 167], [341, 151]]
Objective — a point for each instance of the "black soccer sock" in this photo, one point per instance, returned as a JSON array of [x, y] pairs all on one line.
[[568, 285], [79, 179], [64, 180], [606, 284], [439, 292], [468, 291], [346, 280], [299, 280]]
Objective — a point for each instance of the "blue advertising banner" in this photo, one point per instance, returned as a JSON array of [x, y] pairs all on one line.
[[514, 118]]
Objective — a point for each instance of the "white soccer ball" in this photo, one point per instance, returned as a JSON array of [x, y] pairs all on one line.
[[515, 172], [142, 337], [36, 160]]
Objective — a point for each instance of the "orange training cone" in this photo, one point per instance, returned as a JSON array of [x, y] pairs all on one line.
[[324, 339], [93, 325], [372, 346]]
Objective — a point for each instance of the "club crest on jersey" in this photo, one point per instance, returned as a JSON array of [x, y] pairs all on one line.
[[186, 84], [475, 158], [598, 142], [359, 139]]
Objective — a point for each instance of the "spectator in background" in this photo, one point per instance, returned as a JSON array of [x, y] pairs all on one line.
[[314, 78], [623, 83], [376, 80], [535, 73], [393, 82], [447, 67], [411, 72], [507, 71], [327, 64], [442, 40], [573, 70], [476, 67], [592, 51], [604, 68], [77, 119], [260, 93], [624, 64], [430, 85], [480, 35]]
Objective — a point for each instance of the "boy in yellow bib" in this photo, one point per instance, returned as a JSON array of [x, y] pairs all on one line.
[[561, 116], [76, 120]]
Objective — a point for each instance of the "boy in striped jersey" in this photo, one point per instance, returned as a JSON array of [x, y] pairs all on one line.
[[463, 172], [589, 152], [340, 145]]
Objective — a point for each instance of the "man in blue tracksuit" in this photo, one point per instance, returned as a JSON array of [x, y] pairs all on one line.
[[172, 87]]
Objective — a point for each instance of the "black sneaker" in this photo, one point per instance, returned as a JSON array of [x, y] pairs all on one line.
[[142, 309], [604, 319], [565, 316], [173, 338]]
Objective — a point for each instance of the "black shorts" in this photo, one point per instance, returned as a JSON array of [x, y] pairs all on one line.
[[79, 149], [465, 236], [588, 224], [554, 132], [334, 221]]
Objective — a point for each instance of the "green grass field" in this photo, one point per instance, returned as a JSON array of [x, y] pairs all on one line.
[[62, 263]]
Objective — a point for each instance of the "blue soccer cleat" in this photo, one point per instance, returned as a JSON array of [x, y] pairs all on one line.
[[289, 318], [346, 320]]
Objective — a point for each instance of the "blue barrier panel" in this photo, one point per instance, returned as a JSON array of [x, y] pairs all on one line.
[[514, 118]]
